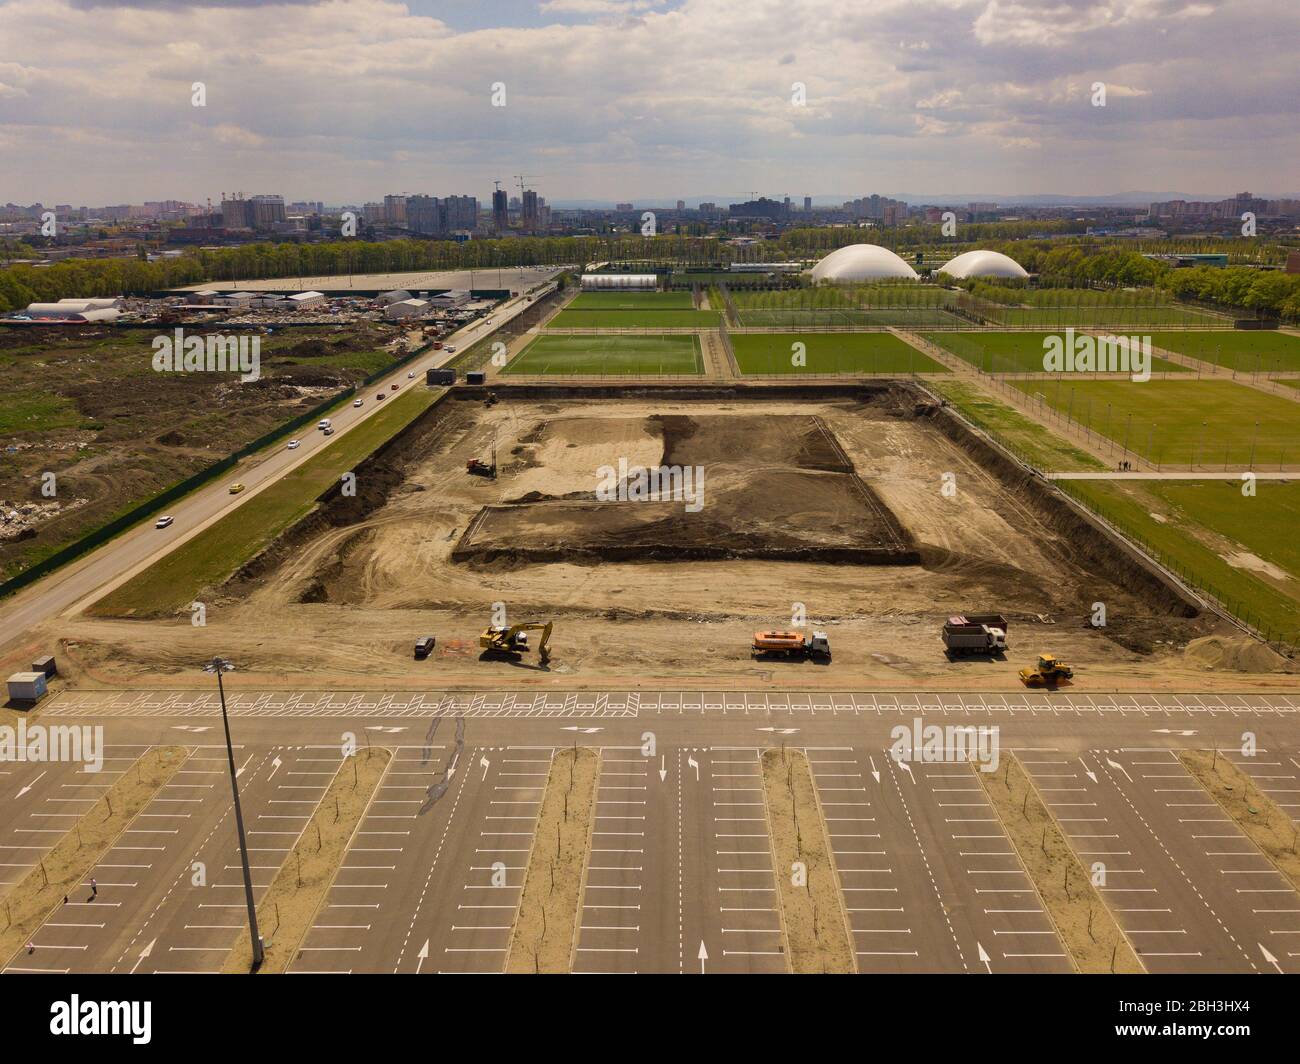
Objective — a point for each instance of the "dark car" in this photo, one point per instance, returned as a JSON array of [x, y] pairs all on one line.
[[423, 647]]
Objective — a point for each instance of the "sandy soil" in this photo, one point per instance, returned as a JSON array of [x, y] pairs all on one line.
[[289, 905], [546, 922], [1086, 928], [62, 872], [1265, 822], [814, 924], [343, 601]]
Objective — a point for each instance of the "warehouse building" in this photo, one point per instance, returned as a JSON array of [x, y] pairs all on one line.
[[406, 308], [619, 282]]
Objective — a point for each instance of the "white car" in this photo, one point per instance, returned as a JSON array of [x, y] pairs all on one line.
[[357, 402], [163, 522], [410, 375], [294, 444]]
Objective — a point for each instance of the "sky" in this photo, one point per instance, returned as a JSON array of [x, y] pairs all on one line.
[[645, 100]]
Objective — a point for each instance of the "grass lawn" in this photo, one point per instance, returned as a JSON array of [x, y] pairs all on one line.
[[635, 319], [1177, 422], [1008, 352], [1199, 524], [1039, 445], [609, 355], [797, 317], [1239, 349], [829, 353], [37, 412], [214, 554], [633, 301], [1090, 316]]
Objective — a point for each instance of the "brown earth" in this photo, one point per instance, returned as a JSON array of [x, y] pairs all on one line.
[[341, 598]]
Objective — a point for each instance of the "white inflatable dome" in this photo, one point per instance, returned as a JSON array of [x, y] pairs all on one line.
[[983, 264], [862, 262]]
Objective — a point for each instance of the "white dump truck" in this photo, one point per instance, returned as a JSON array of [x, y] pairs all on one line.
[[976, 633]]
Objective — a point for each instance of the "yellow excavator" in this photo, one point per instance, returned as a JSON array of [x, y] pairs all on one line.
[[513, 639], [1047, 671]]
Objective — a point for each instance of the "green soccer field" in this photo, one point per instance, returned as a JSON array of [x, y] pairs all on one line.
[[635, 319], [609, 355], [1178, 422], [632, 301], [1089, 317], [995, 352], [1246, 351], [773, 353]]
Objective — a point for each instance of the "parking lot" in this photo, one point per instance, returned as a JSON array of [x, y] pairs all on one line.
[[680, 873]]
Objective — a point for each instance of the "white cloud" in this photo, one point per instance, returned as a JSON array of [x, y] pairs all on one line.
[[345, 100]]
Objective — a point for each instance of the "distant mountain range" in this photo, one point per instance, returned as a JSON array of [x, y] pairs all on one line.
[[1116, 199]]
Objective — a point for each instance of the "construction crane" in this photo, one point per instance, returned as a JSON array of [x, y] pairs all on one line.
[[513, 640]]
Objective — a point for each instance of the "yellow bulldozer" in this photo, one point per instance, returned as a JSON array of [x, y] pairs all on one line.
[[513, 639], [1048, 670]]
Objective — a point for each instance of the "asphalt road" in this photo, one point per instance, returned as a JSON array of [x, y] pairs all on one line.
[[79, 583], [680, 864]]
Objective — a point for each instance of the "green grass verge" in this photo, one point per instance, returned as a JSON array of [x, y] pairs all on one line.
[[634, 319], [1037, 445], [1199, 523], [1243, 350], [207, 560], [609, 355], [1177, 422], [995, 352], [772, 353]]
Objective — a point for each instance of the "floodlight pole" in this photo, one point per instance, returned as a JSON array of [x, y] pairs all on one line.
[[220, 665]]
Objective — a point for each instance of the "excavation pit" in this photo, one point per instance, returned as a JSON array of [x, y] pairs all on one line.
[[690, 487]]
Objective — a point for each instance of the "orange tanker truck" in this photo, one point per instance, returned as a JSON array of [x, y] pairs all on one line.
[[791, 645]]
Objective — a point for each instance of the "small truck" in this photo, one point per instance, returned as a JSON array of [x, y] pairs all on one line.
[[976, 633], [791, 645]]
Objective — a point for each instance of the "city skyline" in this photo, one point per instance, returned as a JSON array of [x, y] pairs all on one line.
[[605, 100]]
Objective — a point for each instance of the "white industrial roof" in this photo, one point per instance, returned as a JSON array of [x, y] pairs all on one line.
[[983, 264], [862, 262]]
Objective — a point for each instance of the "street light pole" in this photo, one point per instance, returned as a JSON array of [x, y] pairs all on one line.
[[218, 666]]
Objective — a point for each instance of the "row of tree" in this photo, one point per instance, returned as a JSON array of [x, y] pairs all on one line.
[[1080, 263]]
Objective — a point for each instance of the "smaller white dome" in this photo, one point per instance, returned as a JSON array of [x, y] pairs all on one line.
[[983, 264]]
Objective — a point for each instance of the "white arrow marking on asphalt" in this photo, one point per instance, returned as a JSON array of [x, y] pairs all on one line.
[[484, 762], [984, 959], [663, 771], [381, 728], [275, 766], [1270, 958], [780, 731], [906, 768], [144, 953], [874, 771], [1119, 768], [585, 731], [422, 956], [692, 763], [191, 727], [1172, 731], [1087, 771], [702, 956], [31, 785], [451, 769]]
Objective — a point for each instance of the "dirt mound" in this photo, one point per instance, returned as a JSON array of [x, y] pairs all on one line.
[[778, 487], [1235, 653]]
